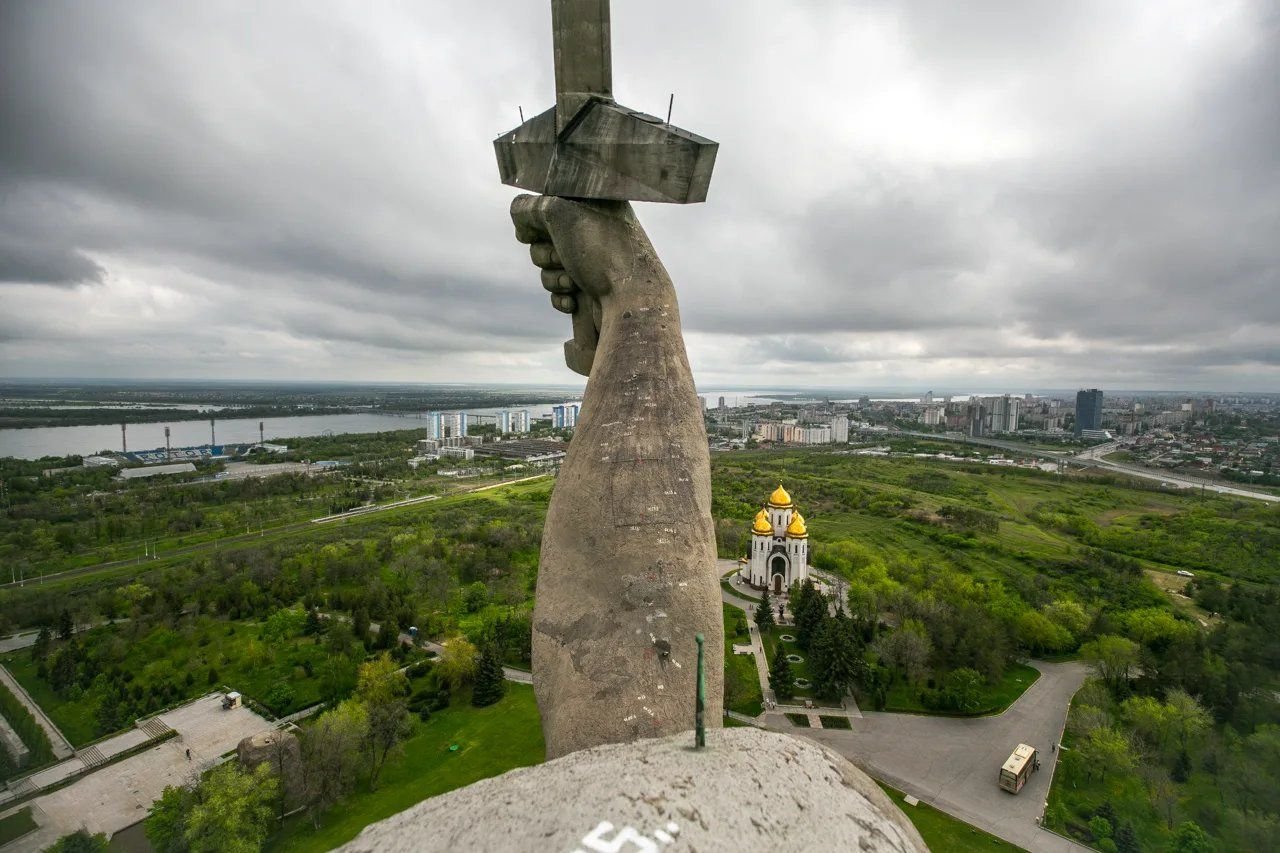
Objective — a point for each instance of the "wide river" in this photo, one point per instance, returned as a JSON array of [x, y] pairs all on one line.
[[36, 442], [82, 440]]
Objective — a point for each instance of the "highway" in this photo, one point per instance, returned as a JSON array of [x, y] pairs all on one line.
[[1091, 457]]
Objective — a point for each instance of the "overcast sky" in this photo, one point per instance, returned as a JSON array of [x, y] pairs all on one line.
[[975, 195]]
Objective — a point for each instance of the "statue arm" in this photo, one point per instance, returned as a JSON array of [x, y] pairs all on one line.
[[627, 573]]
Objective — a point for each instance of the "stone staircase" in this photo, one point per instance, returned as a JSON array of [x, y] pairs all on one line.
[[23, 788], [92, 757], [155, 728]]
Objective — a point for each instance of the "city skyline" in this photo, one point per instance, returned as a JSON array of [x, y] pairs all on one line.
[[991, 197]]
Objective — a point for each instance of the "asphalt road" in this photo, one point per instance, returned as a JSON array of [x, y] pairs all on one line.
[[953, 764]]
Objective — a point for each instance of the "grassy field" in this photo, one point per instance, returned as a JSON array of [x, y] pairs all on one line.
[[944, 833], [772, 640], [903, 697], [70, 582], [16, 825], [741, 680], [491, 741]]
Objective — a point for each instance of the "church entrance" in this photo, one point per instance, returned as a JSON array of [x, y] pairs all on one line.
[[778, 568]]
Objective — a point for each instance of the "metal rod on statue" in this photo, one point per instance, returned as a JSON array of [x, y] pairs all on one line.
[[700, 724]]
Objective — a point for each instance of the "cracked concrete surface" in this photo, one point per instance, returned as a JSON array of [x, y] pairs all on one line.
[[749, 790]]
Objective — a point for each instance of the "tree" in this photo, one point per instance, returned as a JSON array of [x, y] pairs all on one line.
[[232, 810], [1112, 657], [166, 825], [963, 688], [80, 841], [1186, 718], [491, 682], [66, 625], [809, 609], [1106, 750], [836, 657], [1148, 717], [1190, 838], [1160, 788], [1127, 839], [228, 810], [1038, 633], [331, 755], [382, 688], [457, 663], [780, 677], [360, 625], [40, 650], [907, 649], [764, 612]]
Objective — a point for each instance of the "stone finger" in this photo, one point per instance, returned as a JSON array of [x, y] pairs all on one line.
[[529, 214], [544, 255], [558, 281], [564, 302]]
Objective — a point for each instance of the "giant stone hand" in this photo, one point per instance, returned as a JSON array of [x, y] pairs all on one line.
[[627, 575]]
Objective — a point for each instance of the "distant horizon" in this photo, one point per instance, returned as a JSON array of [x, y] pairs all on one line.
[[917, 390]]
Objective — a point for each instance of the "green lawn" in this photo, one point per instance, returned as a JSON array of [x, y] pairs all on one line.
[[944, 833], [16, 825], [741, 680], [835, 722], [798, 670], [904, 698], [491, 741]]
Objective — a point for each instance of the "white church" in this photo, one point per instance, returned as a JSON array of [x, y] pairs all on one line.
[[779, 553]]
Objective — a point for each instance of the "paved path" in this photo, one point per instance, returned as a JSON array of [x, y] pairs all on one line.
[[118, 795], [510, 673], [952, 763], [61, 747]]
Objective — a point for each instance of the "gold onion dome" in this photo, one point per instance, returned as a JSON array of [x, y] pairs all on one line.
[[761, 524], [780, 498], [797, 528]]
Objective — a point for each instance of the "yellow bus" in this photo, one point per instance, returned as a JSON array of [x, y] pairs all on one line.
[[1018, 768]]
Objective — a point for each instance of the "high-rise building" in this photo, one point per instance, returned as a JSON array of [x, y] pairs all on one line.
[[520, 421], [564, 416], [446, 425], [840, 429], [503, 422], [721, 406], [1001, 414], [1088, 410]]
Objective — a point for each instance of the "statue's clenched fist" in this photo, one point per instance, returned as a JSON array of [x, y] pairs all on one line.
[[586, 251]]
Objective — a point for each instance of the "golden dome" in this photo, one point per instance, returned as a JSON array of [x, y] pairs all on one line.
[[762, 525], [796, 528], [780, 498]]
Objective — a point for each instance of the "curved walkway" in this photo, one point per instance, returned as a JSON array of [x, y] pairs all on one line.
[[952, 763]]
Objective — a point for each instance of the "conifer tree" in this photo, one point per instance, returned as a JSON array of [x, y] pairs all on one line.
[[810, 612], [836, 657], [489, 683], [780, 678], [764, 613]]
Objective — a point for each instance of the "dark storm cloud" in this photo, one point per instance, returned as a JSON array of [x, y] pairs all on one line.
[[904, 191]]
